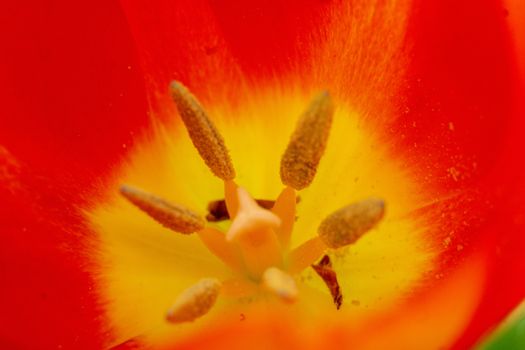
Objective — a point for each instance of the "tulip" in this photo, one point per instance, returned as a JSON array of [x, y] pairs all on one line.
[[386, 212]]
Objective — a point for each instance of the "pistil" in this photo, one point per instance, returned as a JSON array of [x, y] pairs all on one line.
[[253, 229]]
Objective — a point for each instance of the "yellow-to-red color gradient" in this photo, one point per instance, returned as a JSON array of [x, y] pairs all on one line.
[[429, 116]]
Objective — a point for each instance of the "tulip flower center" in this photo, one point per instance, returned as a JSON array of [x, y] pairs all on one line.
[[309, 239], [257, 242]]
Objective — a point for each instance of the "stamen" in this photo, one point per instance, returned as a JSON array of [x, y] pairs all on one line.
[[348, 224], [307, 144], [252, 229], [284, 208], [281, 284], [203, 133], [194, 302], [230, 197], [216, 243], [326, 272], [174, 217], [305, 255]]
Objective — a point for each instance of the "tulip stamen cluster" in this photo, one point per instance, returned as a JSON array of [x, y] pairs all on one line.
[[256, 246]]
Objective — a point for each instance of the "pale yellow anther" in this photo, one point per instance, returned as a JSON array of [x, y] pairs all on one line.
[[172, 216], [348, 224], [203, 133], [194, 302], [280, 283], [307, 144]]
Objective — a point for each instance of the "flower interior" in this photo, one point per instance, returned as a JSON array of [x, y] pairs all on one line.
[[307, 213]]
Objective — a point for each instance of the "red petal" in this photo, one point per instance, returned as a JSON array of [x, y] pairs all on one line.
[[213, 43], [72, 96], [465, 71], [46, 297], [72, 91], [462, 71]]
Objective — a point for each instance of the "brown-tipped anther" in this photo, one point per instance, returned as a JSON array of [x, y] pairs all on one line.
[[194, 302], [203, 133], [174, 217], [281, 284], [326, 272], [307, 144], [348, 224], [217, 210]]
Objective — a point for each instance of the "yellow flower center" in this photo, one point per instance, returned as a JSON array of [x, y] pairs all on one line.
[[149, 274]]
